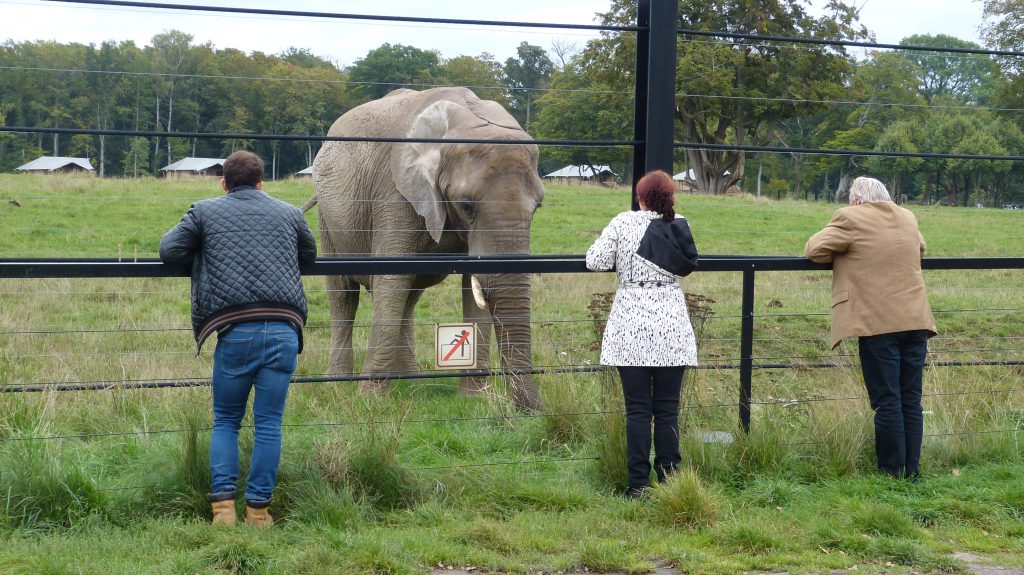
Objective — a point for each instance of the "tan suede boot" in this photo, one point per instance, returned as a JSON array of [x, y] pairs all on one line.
[[224, 512], [258, 517]]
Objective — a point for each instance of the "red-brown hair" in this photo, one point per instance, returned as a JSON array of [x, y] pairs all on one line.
[[658, 193]]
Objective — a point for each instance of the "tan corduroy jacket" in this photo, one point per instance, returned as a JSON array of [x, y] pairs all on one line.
[[877, 286]]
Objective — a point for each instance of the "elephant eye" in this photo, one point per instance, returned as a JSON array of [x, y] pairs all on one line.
[[467, 207]]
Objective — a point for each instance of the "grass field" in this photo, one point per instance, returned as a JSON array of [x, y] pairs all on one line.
[[113, 481]]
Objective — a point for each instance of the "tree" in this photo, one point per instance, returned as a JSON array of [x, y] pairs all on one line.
[[108, 89], [136, 157], [525, 74], [480, 74], [729, 89], [576, 108], [393, 66], [1003, 28], [898, 137], [170, 55], [963, 77], [885, 88]]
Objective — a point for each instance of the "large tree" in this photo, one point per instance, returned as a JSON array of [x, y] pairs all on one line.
[[964, 77], [393, 66], [525, 75], [884, 90], [480, 74], [729, 88], [577, 108]]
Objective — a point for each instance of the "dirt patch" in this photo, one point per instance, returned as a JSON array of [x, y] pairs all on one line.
[[980, 565], [656, 571]]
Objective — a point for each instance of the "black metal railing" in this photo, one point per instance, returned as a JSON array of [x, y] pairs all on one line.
[[561, 264]]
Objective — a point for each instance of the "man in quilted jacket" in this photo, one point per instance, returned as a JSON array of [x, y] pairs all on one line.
[[244, 250]]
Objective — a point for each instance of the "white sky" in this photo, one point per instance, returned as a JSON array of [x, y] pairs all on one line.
[[344, 41]]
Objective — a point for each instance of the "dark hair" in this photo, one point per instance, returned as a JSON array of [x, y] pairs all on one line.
[[242, 169], [658, 192]]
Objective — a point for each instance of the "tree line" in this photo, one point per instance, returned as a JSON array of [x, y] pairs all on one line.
[[174, 84], [729, 91]]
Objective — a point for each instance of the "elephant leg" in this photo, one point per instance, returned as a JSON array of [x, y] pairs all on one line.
[[406, 352], [471, 313], [343, 295], [390, 294]]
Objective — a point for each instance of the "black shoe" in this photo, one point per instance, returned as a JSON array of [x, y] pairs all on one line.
[[636, 493]]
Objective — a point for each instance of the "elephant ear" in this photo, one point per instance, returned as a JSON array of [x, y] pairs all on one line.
[[415, 166]]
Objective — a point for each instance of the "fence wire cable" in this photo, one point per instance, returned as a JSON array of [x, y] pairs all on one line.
[[781, 402]]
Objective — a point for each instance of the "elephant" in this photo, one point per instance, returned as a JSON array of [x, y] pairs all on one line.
[[387, 199]]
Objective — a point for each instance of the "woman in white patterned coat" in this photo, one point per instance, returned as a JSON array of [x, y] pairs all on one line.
[[648, 336]]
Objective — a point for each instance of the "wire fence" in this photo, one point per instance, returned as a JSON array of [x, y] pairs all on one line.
[[787, 360]]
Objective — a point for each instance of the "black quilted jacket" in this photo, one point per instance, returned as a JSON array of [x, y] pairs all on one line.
[[244, 250]]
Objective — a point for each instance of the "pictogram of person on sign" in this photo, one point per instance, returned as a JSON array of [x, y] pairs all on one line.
[[458, 343]]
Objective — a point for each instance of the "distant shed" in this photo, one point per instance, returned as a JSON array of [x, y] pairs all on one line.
[[307, 173], [57, 165], [582, 174], [686, 181], [194, 168]]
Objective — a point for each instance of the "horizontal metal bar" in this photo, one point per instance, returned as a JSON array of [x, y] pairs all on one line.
[[305, 137], [341, 16], [152, 267]]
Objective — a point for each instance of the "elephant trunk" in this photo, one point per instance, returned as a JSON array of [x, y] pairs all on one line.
[[508, 301]]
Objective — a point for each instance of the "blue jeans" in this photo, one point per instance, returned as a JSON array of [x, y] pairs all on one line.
[[260, 354], [893, 367]]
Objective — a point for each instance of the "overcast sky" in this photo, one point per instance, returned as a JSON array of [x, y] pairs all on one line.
[[344, 41]]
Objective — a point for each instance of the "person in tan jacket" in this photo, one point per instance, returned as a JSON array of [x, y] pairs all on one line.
[[878, 296]]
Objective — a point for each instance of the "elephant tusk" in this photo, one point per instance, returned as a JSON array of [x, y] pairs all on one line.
[[478, 293]]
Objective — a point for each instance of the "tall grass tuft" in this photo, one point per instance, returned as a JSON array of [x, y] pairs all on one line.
[[603, 555], [369, 466], [684, 501], [611, 441], [19, 413], [315, 501], [754, 534], [882, 519], [567, 400], [238, 554], [774, 492], [975, 425], [184, 489], [764, 450], [40, 491], [842, 444]]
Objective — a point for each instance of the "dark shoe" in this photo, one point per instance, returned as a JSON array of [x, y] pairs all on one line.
[[636, 493]]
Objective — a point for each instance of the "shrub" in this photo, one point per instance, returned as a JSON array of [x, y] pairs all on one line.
[[685, 502]]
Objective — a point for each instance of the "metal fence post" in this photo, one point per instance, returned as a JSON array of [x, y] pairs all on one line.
[[746, 348], [654, 107]]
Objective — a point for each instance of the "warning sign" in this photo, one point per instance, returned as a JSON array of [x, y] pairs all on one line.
[[455, 345]]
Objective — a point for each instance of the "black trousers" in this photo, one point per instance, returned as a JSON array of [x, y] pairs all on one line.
[[893, 365], [652, 396]]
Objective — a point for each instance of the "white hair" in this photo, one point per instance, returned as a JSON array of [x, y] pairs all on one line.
[[869, 190]]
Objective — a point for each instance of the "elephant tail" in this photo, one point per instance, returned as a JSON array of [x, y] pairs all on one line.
[[309, 204]]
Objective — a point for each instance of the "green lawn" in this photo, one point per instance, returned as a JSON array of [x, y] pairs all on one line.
[[113, 481]]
